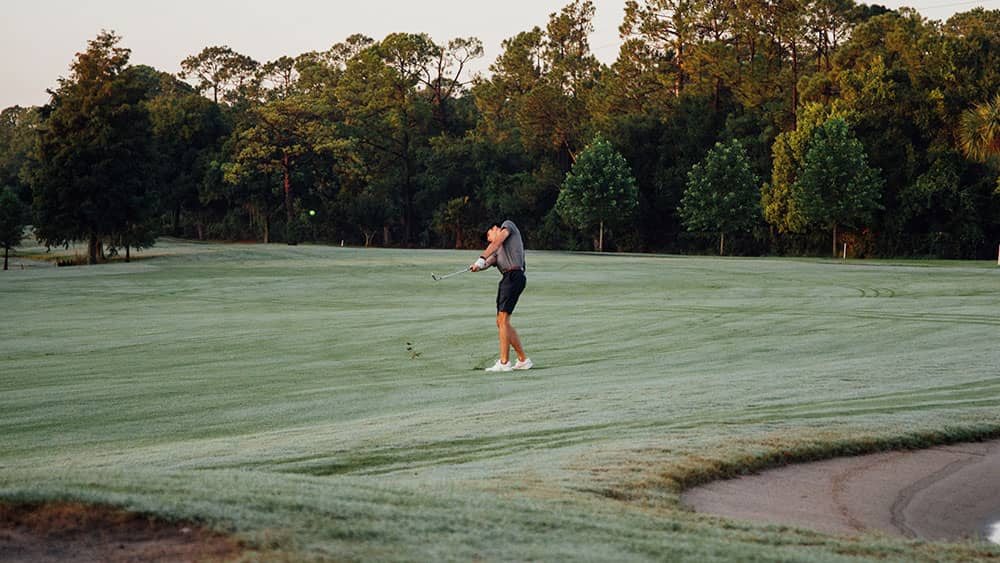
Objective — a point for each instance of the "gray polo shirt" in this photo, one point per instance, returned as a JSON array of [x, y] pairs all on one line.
[[511, 252]]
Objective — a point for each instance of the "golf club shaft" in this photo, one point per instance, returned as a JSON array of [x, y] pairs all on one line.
[[452, 274]]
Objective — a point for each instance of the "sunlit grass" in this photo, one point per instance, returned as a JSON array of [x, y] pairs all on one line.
[[330, 402]]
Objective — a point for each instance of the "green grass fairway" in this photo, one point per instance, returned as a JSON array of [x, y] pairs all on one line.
[[329, 403]]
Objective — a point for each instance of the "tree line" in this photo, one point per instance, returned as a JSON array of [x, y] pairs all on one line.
[[732, 126]]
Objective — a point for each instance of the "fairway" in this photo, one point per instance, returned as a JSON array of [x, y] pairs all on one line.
[[330, 403]]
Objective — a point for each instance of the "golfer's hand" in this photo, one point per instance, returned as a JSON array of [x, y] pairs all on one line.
[[478, 265]]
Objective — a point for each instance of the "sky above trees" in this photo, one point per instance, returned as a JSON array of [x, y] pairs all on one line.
[[38, 39]]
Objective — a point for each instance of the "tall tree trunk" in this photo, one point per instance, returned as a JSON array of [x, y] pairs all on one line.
[[717, 95], [834, 240], [439, 107], [177, 220], [6, 251], [92, 250], [287, 171], [722, 244], [795, 81], [407, 191], [128, 255], [679, 84], [600, 239]]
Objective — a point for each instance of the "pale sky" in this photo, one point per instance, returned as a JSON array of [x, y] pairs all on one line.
[[39, 39]]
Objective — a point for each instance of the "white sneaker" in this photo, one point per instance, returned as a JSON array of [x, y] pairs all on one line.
[[526, 364], [499, 366]]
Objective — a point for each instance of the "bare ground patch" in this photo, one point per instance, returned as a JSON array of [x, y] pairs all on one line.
[[78, 532]]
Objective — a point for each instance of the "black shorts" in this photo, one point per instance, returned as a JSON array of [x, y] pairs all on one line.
[[511, 286]]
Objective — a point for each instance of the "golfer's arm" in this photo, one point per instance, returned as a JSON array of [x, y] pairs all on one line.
[[491, 250]]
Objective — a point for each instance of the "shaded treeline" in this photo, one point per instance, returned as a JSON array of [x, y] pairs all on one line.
[[387, 143]]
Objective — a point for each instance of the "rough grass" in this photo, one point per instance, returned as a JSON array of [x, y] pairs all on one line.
[[329, 403]]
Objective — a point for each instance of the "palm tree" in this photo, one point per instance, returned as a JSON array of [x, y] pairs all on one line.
[[979, 132]]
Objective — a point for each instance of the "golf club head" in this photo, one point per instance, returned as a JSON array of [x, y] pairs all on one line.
[[435, 276]]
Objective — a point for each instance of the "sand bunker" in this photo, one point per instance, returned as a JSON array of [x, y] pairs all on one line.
[[76, 532], [947, 493]]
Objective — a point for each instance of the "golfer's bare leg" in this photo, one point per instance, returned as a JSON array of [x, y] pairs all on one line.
[[515, 341], [508, 338]]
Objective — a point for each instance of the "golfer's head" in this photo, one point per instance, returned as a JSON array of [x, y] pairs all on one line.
[[492, 232]]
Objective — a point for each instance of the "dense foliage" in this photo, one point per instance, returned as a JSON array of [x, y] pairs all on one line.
[[11, 222], [722, 194], [599, 192], [384, 142], [91, 166]]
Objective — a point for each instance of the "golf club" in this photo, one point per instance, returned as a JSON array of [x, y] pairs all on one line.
[[439, 278]]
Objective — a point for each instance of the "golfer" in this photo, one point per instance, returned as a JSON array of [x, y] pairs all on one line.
[[506, 252]]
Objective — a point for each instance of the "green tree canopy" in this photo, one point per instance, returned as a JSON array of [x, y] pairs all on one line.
[[385, 118], [90, 171], [223, 71], [781, 208], [186, 129], [722, 193], [391, 123], [599, 192], [285, 131], [17, 136], [836, 186], [11, 222]]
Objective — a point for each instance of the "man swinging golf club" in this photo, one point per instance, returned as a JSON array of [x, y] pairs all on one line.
[[506, 252]]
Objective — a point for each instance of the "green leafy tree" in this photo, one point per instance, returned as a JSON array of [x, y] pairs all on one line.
[[284, 132], [515, 72], [535, 116], [507, 186], [552, 116], [457, 219], [907, 81], [637, 84], [90, 171], [186, 130], [11, 222], [252, 189], [220, 69], [278, 79], [453, 180], [18, 128], [722, 193], [836, 186], [442, 76], [782, 208], [283, 136], [668, 28], [370, 211], [940, 212], [386, 118], [599, 192]]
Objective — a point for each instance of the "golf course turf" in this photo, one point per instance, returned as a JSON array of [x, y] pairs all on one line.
[[324, 403]]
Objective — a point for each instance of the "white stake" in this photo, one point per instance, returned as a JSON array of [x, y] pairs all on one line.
[[845, 251]]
